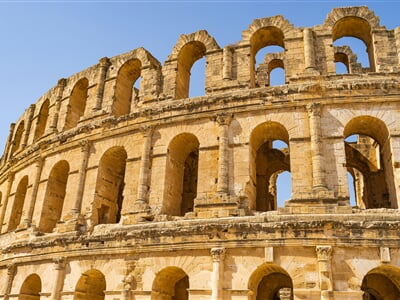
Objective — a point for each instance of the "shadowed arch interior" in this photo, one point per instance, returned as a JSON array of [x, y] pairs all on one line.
[[369, 160], [18, 137], [77, 103], [19, 199], [382, 283], [90, 286], [125, 92], [42, 120], [171, 283], [31, 288], [54, 197]]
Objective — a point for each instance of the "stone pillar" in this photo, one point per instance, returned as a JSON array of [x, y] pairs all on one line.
[[27, 128], [317, 154], [85, 148], [143, 188], [223, 163], [104, 64], [309, 55], [217, 279], [9, 143], [324, 258], [397, 36], [26, 222], [60, 89], [10, 180], [59, 267], [227, 63], [11, 270]]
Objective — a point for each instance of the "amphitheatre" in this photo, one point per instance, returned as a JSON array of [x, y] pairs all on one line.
[[110, 189]]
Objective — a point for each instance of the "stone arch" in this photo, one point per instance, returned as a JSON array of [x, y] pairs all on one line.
[[171, 283], [358, 22], [19, 199], [181, 175], [90, 286], [42, 120], [265, 32], [110, 183], [266, 162], [54, 196], [187, 51], [77, 103], [17, 142], [31, 288], [382, 282], [370, 158], [271, 62], [344, 55], [125, 92], [269, 282]]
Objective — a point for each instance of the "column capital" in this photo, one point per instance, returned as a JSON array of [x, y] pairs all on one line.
[[62, 82], [314, 109], [85, 145], [324, 252], [218, 254], [59, 262], [104, 61], [146, 130], [223, 119], [11, 268]]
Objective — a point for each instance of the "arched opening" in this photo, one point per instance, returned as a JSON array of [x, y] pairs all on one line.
[[90, 286], [31, 288], [171, 283], [77, 103], [54, 197], [42, 120], [352, 180], [382, 283], [356, 33], [342, 63], [268, 159], [110, 185], [270, 282], [369, 160], [19, 199], [127, 88], [262, 38], [188, 55], [18, 137], [181, 175]]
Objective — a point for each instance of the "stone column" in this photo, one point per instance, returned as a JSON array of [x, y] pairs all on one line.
[[227, 63], [217, 279], [104, 64], [11, 270], [397, 36], [60, 89], [223, 163], [59, 267], [85, 149], [26, 222], [324, 257], [317, 154], [10, 180], [309, 55], [143, 188], [9, 143]]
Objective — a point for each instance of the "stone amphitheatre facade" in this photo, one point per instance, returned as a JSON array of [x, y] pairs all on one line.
[[114, 192]]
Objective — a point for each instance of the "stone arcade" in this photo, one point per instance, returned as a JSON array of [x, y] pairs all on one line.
[[114, 192]]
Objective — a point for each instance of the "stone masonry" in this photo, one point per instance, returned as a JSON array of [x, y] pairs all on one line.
[[116, 184]]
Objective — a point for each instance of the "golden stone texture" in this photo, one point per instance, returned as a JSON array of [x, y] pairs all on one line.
[[114, 192]]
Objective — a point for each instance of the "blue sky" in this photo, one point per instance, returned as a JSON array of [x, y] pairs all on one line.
[[43, 41]]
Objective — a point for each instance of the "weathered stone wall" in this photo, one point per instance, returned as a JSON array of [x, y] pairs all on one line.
[[114, 189]]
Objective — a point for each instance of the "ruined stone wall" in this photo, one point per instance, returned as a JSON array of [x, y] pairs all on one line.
[[116, 184]]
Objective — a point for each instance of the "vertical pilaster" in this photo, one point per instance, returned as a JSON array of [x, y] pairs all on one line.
[[309, 55], [10, 179], [227, 56], [85, 149], [324, 258], [11, 271], [28, 126], [59, 267], [397, 37], [104, 64], [143, 188], [223, 163], [60, 89], [317, 153], [218, 256], [9, 143], [26, 222]]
